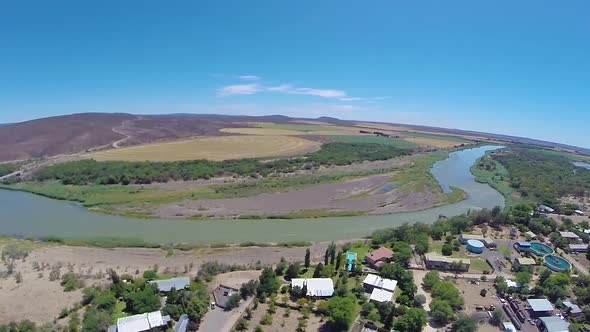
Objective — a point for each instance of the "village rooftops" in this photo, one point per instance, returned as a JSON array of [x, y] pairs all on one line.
[[317, 287], [578, 247], [569, 235], [376, 281], [540, 305], [142, 322], [555, 324], [166, 285], [381, 295]]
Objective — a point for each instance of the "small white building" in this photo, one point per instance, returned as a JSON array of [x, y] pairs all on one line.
[[570, 236], [374, 281], [316, 287], [546, 209], [142, 322], [381, 296], [579, 212]]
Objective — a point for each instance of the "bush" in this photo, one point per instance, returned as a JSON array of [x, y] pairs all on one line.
[[150, 275], [447, 249]]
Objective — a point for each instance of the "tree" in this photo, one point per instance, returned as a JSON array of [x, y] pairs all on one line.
[[405, 278], [523, 278], [497, 317], [419, 300], [501, 285], [430, 279], [332, 253], [342, 311], [442, 312], [447, 249], [588, 253], [319, 270], [280, 269], [412, 321], [464, 324], [307, 258], [403, 253], [248, 289], [269, 283], [446, 291], [95, 320], [150, 275], [292, 271], [233, 302], [242, 325], [338, 261], [366, 308], [555, 287], [145, 300]]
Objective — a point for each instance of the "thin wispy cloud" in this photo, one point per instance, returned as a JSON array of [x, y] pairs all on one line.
[[366, 99], [249, 77], [238, 89], [290, 89]]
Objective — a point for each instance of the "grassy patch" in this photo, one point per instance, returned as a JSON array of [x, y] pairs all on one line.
[[361, 250], [119, 311], [479, 265], [398, 143], [505, 250], [489, 171], [439, 137], [570, 156]]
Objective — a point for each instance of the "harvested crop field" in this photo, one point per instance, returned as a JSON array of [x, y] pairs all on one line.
[[434, 142], [212, 148], [293, 130]]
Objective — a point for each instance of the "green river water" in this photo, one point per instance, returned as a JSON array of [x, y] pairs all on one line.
[[28, 215]]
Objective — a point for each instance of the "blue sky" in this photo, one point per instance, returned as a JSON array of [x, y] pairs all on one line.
[[511, 67]]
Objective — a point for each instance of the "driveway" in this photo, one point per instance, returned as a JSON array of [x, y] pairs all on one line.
[[219, 320], [418, 278]]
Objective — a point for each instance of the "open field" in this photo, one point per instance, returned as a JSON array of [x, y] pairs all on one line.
[[270, 131], [398, 143], [211, 148], [437, 141]]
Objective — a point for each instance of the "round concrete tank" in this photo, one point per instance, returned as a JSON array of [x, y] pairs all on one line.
[[475, 246]]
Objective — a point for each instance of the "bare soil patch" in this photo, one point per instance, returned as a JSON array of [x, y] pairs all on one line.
[[281, 322]]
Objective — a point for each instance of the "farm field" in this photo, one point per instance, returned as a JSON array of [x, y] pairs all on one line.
[[398, 143], [211, 148], [437, 141], [271, 129]]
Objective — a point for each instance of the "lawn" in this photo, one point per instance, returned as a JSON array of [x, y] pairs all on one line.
[[505, 250], [398, 143], [119, 311], [211, 148], [361, 250], [479, 265]]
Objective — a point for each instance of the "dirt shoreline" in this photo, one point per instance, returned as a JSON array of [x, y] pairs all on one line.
[[40, 300]]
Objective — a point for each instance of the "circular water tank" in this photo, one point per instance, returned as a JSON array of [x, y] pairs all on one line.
[[475, 246]]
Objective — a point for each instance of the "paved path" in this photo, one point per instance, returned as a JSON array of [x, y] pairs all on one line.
[[418, 278], [219, 320]]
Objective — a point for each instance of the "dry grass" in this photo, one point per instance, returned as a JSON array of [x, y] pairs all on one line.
[[212, 148]]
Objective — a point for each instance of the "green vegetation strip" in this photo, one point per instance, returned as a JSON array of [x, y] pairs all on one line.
[[439, 137], [398, 143]]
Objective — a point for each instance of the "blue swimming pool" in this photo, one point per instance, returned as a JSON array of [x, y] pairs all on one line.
[[350, 260]]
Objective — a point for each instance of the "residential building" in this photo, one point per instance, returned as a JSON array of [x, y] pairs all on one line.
[[166, 285], [379, 257], [571, 237], [540, 307], [531, 235], [139, 323], [553, 324], [435, 261], [182, 324], [578, 247], [382, 289], [222, 294], [316, 287], [524, 262], [572, 309], [546, 209]]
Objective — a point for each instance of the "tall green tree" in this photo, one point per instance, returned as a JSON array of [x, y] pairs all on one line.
[[268, 283], [307, 258], [319, 270], [342, 312], [412, 321]]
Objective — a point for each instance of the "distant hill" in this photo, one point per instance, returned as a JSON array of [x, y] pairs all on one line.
[[80, 132]]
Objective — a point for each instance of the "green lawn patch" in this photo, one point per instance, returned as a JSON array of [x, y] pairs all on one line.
[[505, 250], [398, 143], [119, 311], [479, 265]]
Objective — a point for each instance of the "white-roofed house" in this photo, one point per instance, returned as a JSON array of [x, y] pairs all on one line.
[[316, 287], [553, 324], [540, 307], [166, 285], [381, 289], [142, 322], [571, 237]]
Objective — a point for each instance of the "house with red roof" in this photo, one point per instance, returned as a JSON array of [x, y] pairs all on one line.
[[379, 257]]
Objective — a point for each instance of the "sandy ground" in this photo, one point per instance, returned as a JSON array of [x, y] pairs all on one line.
[[41, 300], [359, 195], [280, 323]]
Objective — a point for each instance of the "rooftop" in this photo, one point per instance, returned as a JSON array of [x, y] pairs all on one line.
[[569, 235], [524, 244], [142, 322], [378, 282], [222, 294], [526, 261], [540, 305], [581, 246], [574, 308], [166, 285], [531, 234], [435, 257], [555, 324], [182, 324], [509, 327], [381, 295], [379, 254], [315, 286]]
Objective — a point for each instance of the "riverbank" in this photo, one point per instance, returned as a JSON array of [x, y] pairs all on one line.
[[50, 218]]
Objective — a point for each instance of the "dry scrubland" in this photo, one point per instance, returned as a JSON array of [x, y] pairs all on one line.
[[40, 300], [212, 148]]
